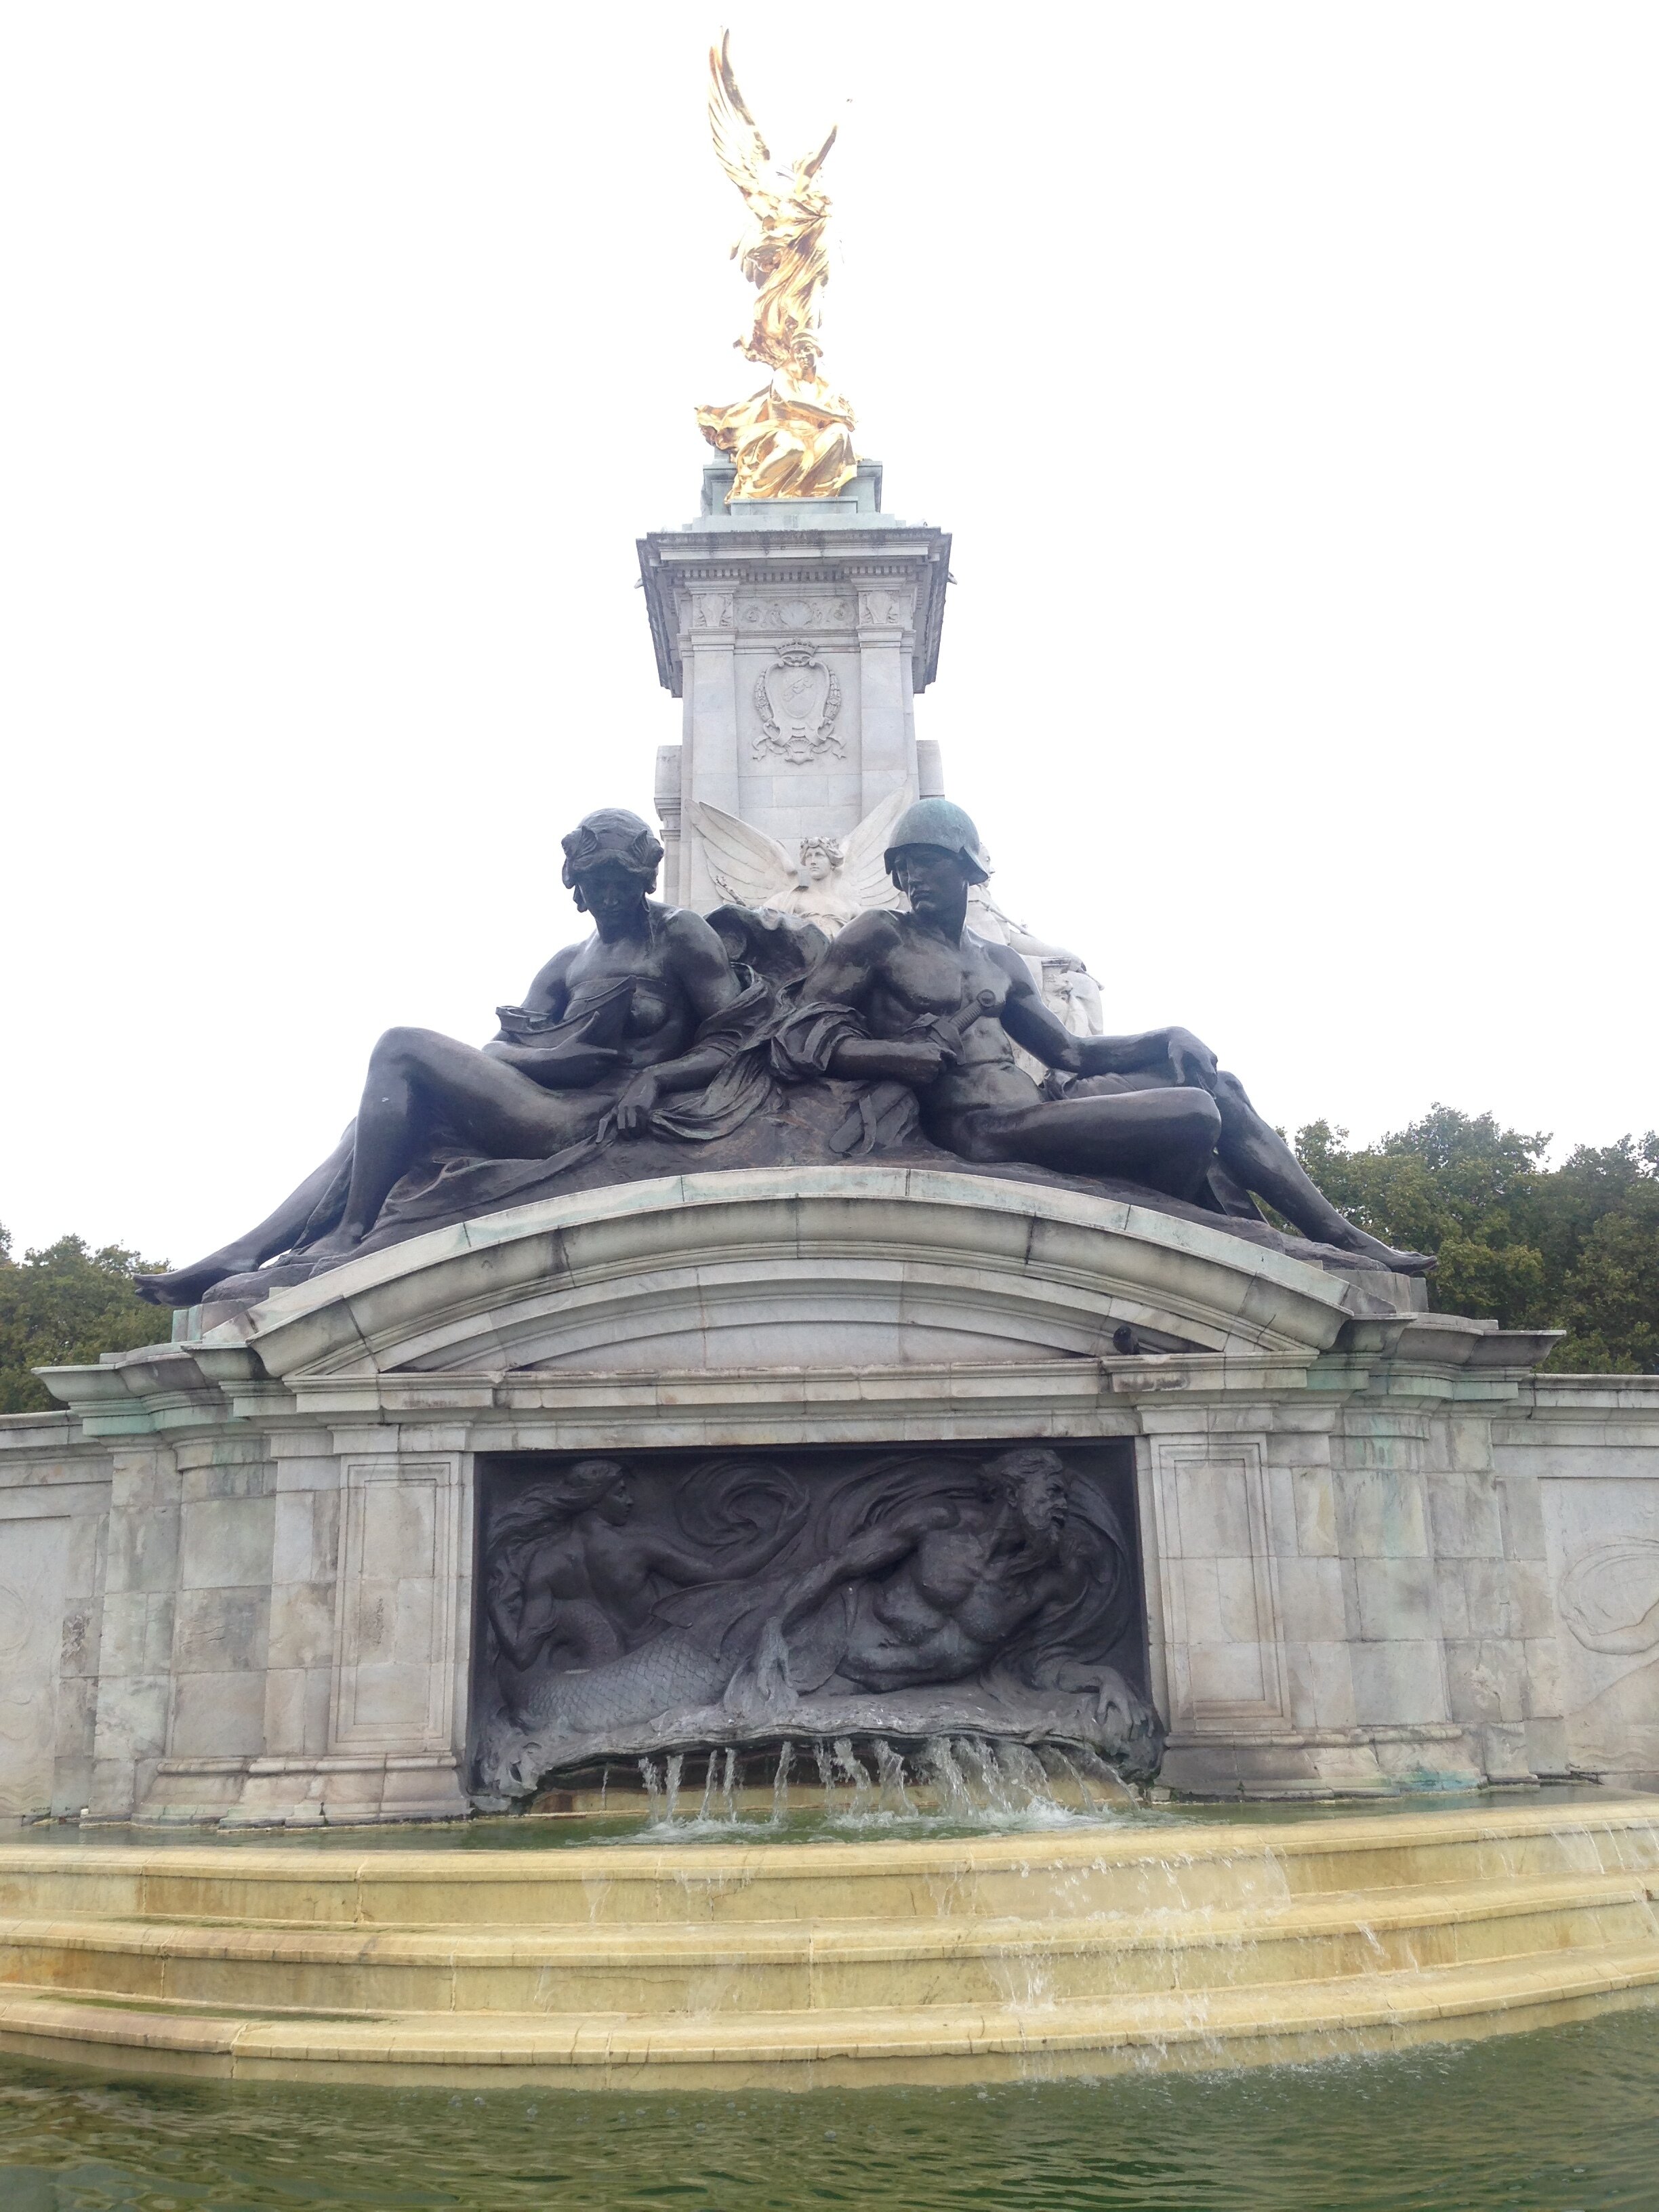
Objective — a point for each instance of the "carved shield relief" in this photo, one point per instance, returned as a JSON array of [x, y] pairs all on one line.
[[797, 700]]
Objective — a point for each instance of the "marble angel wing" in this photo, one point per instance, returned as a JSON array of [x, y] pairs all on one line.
[[749, 867], [864, 878]]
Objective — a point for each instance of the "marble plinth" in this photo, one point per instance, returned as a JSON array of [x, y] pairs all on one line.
[[797, 633], [1379, 1550]]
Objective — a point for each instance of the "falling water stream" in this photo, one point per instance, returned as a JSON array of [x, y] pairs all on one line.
[[837, 1787], [955, 1786]]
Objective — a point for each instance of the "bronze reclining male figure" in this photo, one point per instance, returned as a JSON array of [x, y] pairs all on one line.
[[917, 998]]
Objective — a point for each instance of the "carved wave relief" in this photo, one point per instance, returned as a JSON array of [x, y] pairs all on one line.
[[636, 1603], [1609, 1598]]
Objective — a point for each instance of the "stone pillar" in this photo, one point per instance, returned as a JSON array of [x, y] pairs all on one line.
[[136, 1629], [1294, 1596], [48, 1649], [708, 642], [1401, 1697], [396, 1622], [669, 813], [797, 633], [1239, 1606], [886, 605], [1497, 1617], [372, 1609], [1535, 1617], [304, 1572]]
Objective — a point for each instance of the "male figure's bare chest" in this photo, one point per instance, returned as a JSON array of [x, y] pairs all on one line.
[[923, 974], [947, 1567]]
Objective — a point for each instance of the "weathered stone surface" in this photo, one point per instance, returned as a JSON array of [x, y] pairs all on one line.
[[1375, 1551]]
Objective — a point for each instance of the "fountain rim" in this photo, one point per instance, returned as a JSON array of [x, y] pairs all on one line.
[[1192, 1841]]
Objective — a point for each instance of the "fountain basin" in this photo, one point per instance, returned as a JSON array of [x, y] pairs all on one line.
[[1093, 1948]]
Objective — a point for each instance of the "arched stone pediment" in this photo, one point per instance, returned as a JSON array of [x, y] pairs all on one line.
[[805, 1268]]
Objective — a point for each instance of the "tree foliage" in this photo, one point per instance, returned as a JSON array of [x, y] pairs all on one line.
[[60, 1307], [1575, 1247]]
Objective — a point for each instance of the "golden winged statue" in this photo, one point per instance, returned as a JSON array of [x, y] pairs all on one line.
[[793, 438]]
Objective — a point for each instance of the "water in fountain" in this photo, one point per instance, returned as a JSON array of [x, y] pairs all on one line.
[[1562, 2118]]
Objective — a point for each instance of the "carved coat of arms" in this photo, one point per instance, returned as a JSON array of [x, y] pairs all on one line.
[[798, 699]]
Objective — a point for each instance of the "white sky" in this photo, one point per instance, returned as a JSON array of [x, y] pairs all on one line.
[[1286, 373]]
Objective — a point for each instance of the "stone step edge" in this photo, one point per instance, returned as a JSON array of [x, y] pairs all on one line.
[[753, 1886], [1435, 1995], [737, 1943], [1111, 1845]]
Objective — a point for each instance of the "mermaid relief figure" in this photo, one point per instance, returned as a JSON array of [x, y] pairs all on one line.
[[641, 1026], [758, 1602], [574, 1580]]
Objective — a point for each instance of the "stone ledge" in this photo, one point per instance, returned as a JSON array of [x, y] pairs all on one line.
[[913, 1255]]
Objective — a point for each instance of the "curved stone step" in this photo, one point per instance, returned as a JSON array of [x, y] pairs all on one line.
[[1087, 1946], [793, 2048], [760, 1967], [1070, 1871]]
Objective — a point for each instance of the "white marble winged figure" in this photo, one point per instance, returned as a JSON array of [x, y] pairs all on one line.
[[833, 880]]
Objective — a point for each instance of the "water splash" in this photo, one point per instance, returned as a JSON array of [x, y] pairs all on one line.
[[847, 1767], [961, 1783], [706, 1810], [652, 1775], [889, 1777], [950, 1783], [780, 1783]]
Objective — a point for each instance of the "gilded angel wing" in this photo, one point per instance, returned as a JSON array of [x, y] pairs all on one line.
[[864, 878], [809, 165], [739, 146], [749, 867]]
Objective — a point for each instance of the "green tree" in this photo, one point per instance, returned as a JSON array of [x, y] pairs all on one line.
[[1611, 1305], [1575, 1247], [60, 1307]]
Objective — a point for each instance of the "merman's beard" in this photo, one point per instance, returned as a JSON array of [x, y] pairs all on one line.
[[1031, 1546]]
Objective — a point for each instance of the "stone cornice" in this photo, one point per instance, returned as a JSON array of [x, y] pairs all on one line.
[[877, 548], [885, 1296]]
